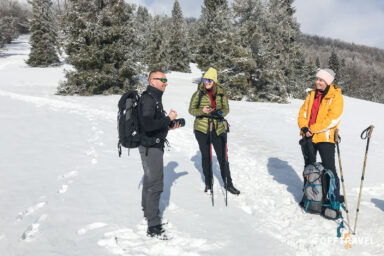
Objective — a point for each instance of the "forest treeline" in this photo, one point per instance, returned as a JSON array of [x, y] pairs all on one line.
[[256, 46]]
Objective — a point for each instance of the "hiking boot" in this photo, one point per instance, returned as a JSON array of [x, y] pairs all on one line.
[[207, 187], [231, 189], [155, 231]]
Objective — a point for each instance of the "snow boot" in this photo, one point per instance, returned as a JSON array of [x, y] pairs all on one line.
[[207, 187], [232, 189], [157, 232]]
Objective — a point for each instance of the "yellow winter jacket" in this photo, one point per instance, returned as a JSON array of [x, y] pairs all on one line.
[[328, 117]]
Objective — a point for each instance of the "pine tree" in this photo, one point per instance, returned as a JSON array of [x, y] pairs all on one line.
[[193, 39], [101, 40], [158, 56], [333, 63], [8, 29], [318, 65], [220, 47], [342, 74], [2, 40], [143, 24], [282, 51], [179, 52], [14, 20], [43, 38], [250, 17]]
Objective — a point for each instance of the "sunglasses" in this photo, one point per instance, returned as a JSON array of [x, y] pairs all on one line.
[[207, 80], [163, 80]]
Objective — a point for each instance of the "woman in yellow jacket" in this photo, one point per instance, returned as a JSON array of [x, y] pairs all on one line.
[[209, 104], [318, 119]]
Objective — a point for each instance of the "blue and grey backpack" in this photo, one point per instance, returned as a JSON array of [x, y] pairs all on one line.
[[313, 190], [319, 194], [331, 205]]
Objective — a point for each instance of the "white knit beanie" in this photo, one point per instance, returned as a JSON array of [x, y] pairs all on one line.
[[328, 75]]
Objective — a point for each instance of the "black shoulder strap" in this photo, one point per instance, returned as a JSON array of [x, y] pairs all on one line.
[[200, 96], [153, 97], [221, 98]]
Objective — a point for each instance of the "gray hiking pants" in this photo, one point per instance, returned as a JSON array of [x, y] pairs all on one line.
[[153, 183]]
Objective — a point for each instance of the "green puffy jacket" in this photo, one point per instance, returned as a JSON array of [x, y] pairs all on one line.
[[201, 121]]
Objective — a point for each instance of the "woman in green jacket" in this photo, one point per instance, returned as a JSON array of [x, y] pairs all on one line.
[[209, 104]]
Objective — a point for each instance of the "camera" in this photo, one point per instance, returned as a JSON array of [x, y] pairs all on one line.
[[181, 121]]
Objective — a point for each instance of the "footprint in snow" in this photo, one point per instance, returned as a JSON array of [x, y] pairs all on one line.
[[63, 189], [30, 211], [90, 227], [32, 230], [68, 175], [136, 242]]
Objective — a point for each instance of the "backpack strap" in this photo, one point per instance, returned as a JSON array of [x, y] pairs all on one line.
[[221, 98], [200, 96], [154, 99]]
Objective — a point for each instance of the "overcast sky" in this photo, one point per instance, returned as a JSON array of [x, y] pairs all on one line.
[[357, 21]]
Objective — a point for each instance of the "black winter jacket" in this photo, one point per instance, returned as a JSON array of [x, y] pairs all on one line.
[[153, 120]]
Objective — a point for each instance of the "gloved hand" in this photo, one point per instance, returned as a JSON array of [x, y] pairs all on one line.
[[305, 130]]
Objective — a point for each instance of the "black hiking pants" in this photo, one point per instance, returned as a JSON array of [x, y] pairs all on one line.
[[220, 146]]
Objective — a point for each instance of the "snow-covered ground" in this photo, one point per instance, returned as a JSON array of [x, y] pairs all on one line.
[[64, 191]]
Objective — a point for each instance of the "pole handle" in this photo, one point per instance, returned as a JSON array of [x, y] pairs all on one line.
[[337, 136], [367, 133], [370, 131]]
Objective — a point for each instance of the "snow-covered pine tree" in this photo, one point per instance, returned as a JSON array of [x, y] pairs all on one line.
[[192, 25], [159, 44], [178, 46], [43, 38], [334, 64], [249, 20], [279, 51], [13, 20], [101, 40], [2, 40], [342, 75], [8, 27], [304, 77], [143, 24], [220, 48]]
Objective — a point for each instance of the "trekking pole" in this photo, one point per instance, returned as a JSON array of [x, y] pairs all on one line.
[[337, 140], [367, 133], [226, 174], [210, 164]]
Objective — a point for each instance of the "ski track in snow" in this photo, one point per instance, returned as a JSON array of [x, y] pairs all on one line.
[[31, 232], [90, 227], [128, 242]]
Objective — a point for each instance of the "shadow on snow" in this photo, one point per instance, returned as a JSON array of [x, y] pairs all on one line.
[[283, 173]]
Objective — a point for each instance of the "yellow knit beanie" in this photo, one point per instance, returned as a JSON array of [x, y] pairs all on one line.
[[211, 74]]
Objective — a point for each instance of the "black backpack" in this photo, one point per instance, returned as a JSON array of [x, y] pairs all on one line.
[[128, 121]]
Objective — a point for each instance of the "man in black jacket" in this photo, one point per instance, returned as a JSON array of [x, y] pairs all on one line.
[[154, 126]]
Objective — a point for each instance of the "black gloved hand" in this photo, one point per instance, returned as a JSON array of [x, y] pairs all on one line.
[[305, 130]]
